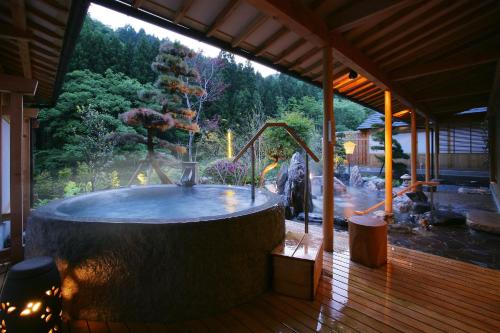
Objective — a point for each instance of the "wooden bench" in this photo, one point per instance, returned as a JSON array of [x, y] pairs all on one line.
[[368, 240], [297, 265]]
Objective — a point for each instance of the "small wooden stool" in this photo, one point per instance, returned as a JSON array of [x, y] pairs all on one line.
[[368, 240]]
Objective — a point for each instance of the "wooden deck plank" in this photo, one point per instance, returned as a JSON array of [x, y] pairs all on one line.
[[79, 326], [407, 269], [249, 321], [158, 328], [135, 327], [196, 326], [429, 291], [427, 305], [97, 327], [117, 327]]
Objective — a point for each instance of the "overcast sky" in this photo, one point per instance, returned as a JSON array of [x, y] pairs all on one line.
[[115, 20]]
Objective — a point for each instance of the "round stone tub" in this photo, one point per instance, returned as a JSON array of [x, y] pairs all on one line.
[[159, 253]]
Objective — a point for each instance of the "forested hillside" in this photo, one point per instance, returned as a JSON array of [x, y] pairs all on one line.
[[109, 69]]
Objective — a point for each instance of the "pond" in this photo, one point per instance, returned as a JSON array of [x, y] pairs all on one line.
[[456, 242]]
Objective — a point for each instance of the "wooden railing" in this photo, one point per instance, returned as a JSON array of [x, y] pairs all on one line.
[[300, 142], [400, 193]]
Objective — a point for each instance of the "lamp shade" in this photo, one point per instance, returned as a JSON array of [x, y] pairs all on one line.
[[349, 147], [31, 299]]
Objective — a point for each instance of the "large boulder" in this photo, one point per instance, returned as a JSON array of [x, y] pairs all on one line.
[[444, 218], [484, 221], [474, 190], [338, 186], [355, 179], [420, 201], [293, 190], [403, 204], [374, 184]]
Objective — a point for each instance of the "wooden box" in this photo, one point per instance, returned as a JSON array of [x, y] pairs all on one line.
[[297, 265]]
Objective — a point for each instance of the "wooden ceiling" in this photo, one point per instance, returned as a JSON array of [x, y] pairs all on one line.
[[34, 38], [437, 56]]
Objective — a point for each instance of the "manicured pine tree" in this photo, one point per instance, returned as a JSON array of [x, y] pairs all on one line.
[[170, 66]]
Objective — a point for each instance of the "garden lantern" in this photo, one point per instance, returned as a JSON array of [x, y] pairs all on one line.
[[349, 150], [31, 299]]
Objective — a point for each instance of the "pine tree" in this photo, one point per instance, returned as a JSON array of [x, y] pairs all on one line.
[[169, 88]]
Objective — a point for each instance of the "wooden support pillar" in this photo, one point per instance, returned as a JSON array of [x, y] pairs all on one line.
[[427, 152], [414, 146], [28, 115], [388, 153], [436, 150], [328, 148], [492, 137], [16, 176]]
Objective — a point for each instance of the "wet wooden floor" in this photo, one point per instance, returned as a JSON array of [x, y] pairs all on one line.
[[415, 292]]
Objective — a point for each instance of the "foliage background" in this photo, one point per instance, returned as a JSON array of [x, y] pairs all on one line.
[[107, 70]]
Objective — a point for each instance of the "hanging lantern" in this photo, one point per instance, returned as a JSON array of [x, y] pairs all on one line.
[[349, 147], [31, 299]]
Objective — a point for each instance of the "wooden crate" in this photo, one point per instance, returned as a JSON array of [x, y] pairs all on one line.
[[297, 265]]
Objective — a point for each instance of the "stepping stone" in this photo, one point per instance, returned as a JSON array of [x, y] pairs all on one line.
[[484, 221]]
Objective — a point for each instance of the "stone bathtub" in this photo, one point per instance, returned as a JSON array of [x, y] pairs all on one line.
[[158, 253]]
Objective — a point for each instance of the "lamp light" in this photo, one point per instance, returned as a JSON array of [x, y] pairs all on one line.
[[229, 144], [31, 299], [349, 147]]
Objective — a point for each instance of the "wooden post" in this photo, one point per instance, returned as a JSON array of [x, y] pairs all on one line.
[[492, 148], [427, 152], [16, 176], [28, 114], [414, 146], [328, 148], [388, 153], [436, 150]]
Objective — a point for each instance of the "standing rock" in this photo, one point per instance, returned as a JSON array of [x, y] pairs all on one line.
[[355, 179], [282, 178], [293, 190]]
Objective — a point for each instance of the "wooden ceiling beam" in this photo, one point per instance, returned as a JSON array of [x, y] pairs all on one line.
[[416, 26], [248, 30], [181, 12], [295, 65], [445, 65], [384, 29], [440, 96], [305, 23], [430, 40], [17, 84], [352, 83], [10, 32], [271, 41], [137, 3], [286, 52], [365, 11], [312, 67], [18, 11], [222, 17], [368, 85]]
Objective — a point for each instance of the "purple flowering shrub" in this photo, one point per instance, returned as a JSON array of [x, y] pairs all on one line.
[[226, 172]]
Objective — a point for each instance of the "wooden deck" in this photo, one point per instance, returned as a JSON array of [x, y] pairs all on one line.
[[415, 292]]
